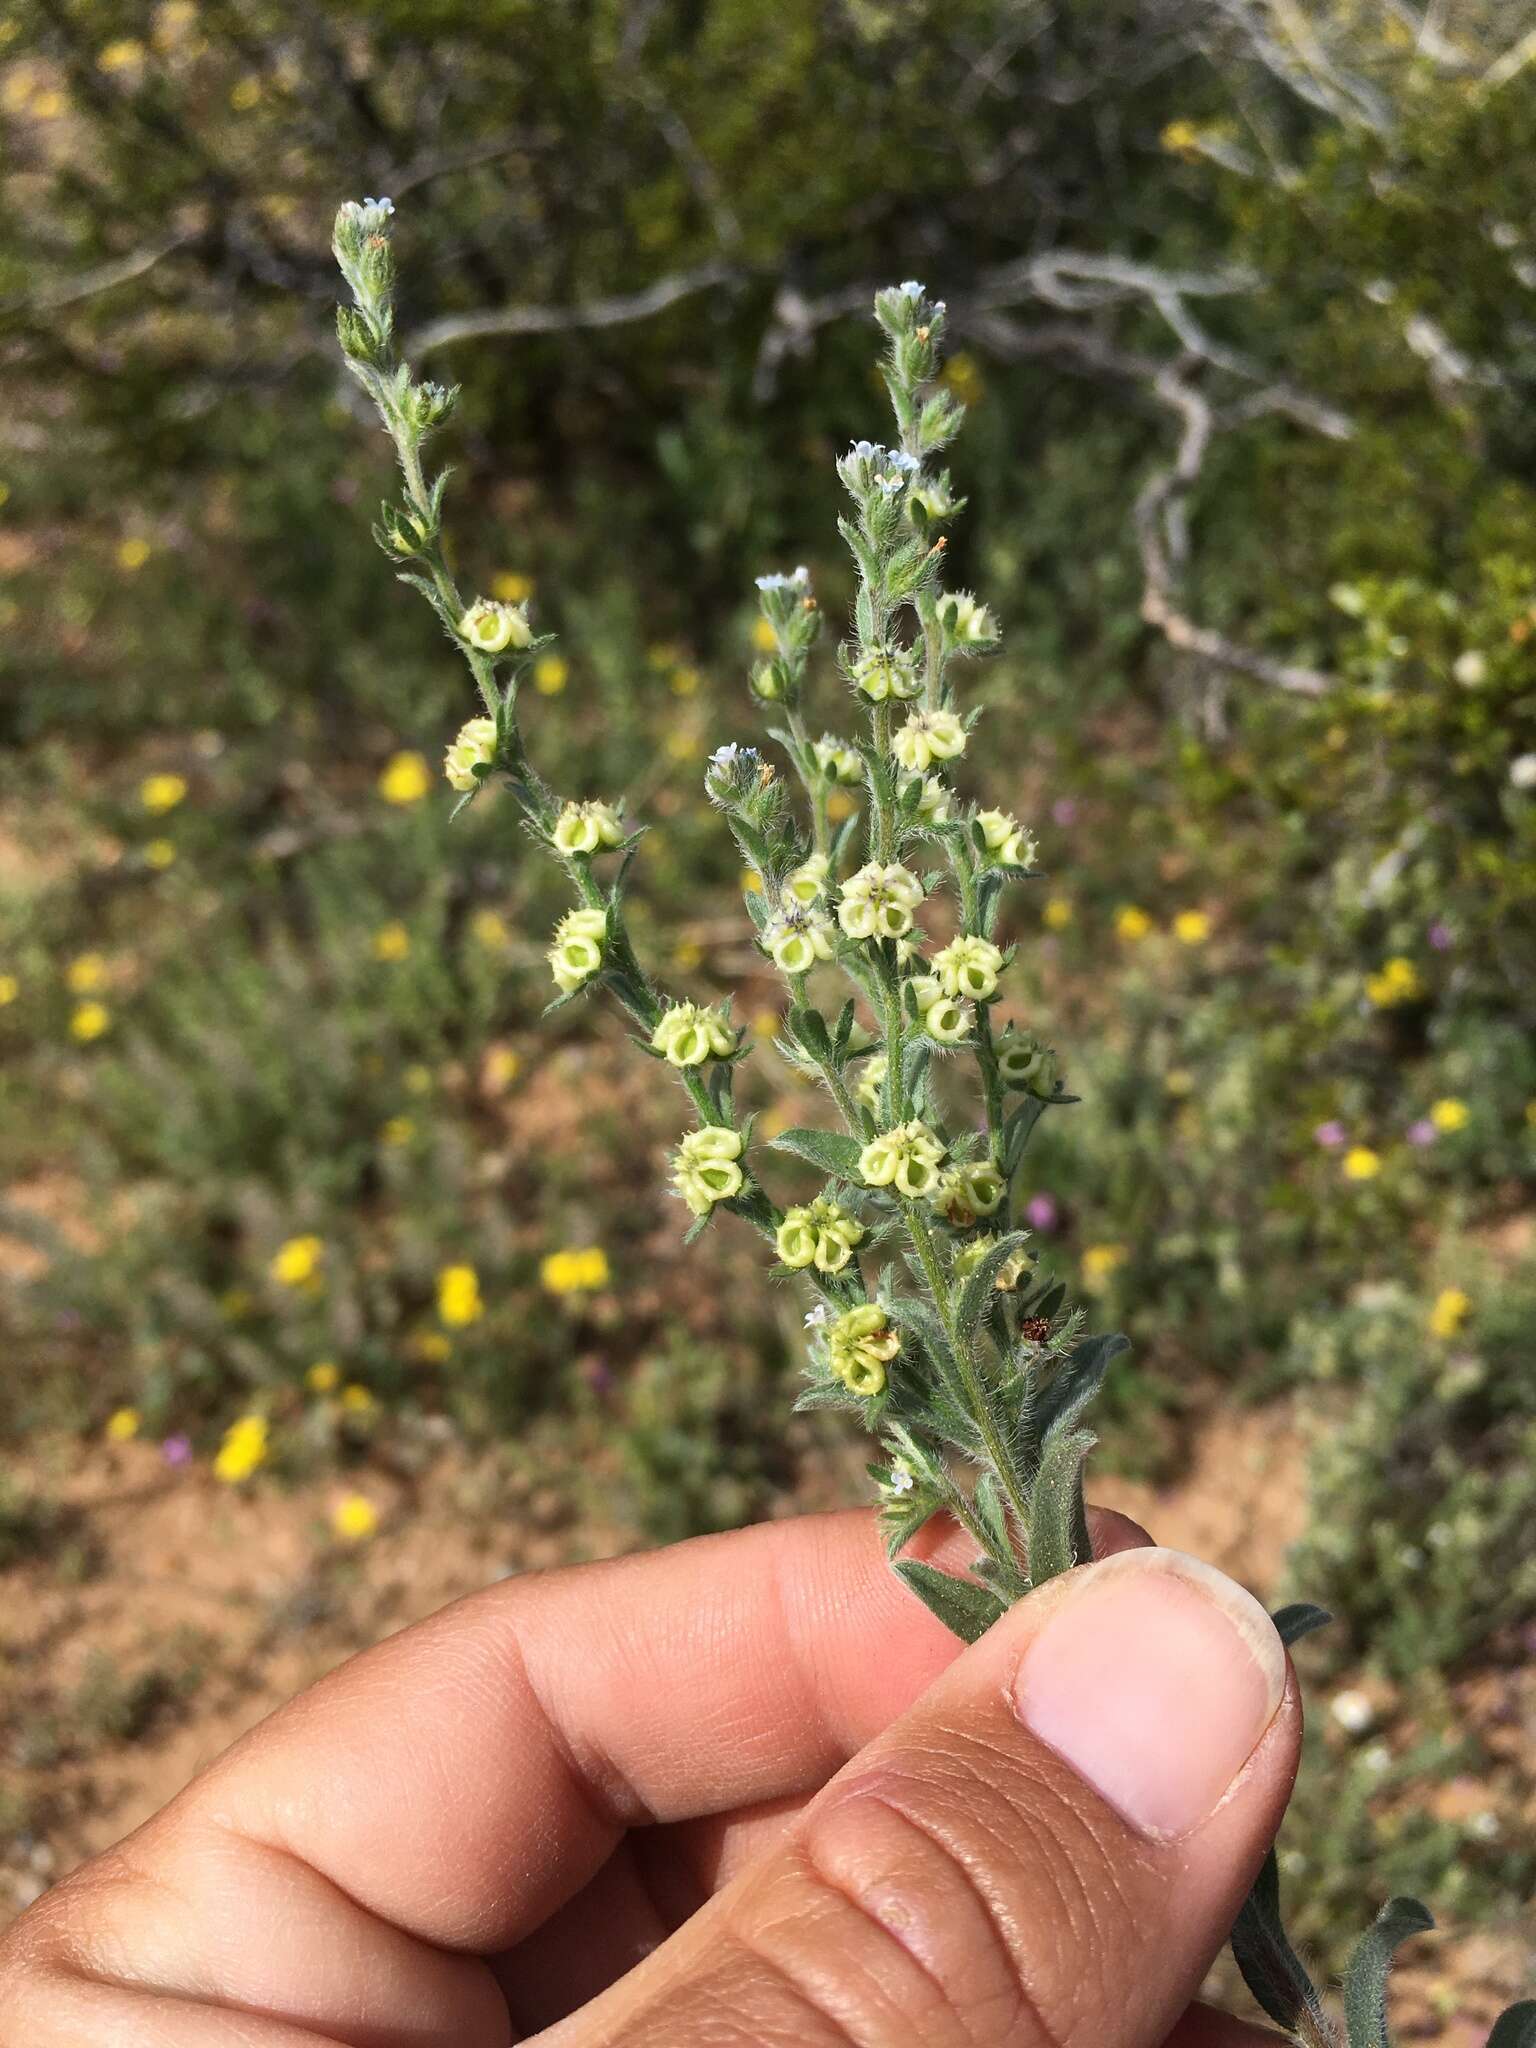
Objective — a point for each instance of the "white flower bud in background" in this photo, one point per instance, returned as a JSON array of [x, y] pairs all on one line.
[[705, 1168], [928, 736], [577, 951], [1354, 1712], [587, 828], [878, 902], [491, 627], [474, 748]]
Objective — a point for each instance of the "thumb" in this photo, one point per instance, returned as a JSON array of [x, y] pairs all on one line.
[[1046, 1851]]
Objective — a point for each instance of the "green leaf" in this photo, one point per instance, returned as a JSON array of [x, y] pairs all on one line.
[[1515, 2027], [901, 1520], [1057, 1521], [1077, 1380], [966, 1610], [909, 1313], [832, 1151], [988, 1502], [1271, 1968], [977, 1294], [1298, 1620], [810, 1027], [1365, 1978]]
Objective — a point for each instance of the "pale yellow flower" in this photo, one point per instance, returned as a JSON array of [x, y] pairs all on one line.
[[398, 1131], [578, 1270], [85, 974], [1192, 927], [90, 1021], [1451, 1309], [551, 673], [354, 1518], [1449, 1114], [1361, 1163], [297, 1261], [122, 1425], [160, 853], [1397, 982], [120, 55], [1131, 923], [132, 553], [1057, 913], [764, 639], [324, 1377], [10, 989], [511, 587], [244, 1449], [244, 94], [1101, 1262], [161, 793], [357, 1400], [458, 1297], [391, 942], [405, 779]]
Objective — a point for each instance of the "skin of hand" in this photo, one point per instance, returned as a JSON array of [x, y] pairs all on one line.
[[742, 1793]]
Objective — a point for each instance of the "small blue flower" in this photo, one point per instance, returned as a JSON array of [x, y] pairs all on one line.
[[383, 206], [911, 289]]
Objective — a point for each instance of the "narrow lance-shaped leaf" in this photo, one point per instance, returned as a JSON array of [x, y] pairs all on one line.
[[832, 1151], [966, 1610], [1299, 1620], [1365, 1979], [1271, 1968], [1057, 1520]]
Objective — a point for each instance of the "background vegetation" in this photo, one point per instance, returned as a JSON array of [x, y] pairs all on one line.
[[1243, 295]]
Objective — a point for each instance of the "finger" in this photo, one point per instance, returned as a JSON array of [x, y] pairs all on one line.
[[1047, 1851], [658, 1877], [1203, 2027], [453, 1785]]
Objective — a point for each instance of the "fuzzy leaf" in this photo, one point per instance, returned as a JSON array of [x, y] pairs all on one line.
[[1077, 1380], [977, 1294], [1298, 1620], [908, 1313], [901, 1520], [1271, 1968], [1365, 1978], [1515, 2027], [810, 1027], [832, 1151], [966, 1610], [988, 1502], [1058, 1537]]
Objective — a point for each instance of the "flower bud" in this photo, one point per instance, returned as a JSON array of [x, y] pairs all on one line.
[[887, 672], [472, 755], [734, 774], [878, 902], [820, 1234], [969, 966], [860, 1344], [587, 828], [688, 1035], [906, 1158], [705, 1168], [1008, 845], [492, 627], [966, 623], [928, 736], [577, 951]]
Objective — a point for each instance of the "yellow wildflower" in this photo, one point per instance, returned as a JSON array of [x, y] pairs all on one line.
[[324, 1377], [1451, 1309], [244, 1448], [1530, 1112], [578, 1270], [1179, 1081], [763, 636], [962, 375], [159, 853], [1192, 927], [840, 805], [458, 1296], [499, 1069], [1397, 982], [1181, 138], [489, 929], [132, 554], [418, 1079], [122, 1425], [356, 1400], [765, 1023], [297, 1262], [10, 989], [512, 588], [86, 974], [119, 55], [683, 746], [1057, 914], [1132, 924], [90, 1021], [751, 881], [391, 941], [405, 779], [398, 1131], [431, 1347], [684, 682], [1449, 1114], [1361, 1163], [687, 954], [1101, 1262], [550, 675], [354, 1518], [159, 793], [244, 94]]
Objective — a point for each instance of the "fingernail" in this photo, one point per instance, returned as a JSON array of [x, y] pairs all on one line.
[[1154, 1678]]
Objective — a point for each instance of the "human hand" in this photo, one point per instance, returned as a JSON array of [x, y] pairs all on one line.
[[742, 1793]]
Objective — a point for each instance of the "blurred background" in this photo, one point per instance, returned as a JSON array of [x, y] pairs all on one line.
[[325, 1287]]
